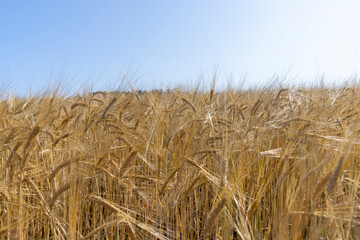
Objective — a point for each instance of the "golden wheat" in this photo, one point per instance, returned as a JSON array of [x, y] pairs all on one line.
[[160, 165]]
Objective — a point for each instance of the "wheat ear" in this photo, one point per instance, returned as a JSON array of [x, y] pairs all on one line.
[[334, 176]]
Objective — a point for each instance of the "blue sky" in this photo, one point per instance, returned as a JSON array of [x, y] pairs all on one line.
[[172, 43]]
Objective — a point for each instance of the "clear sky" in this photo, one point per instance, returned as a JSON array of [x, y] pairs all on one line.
[[171, 43]]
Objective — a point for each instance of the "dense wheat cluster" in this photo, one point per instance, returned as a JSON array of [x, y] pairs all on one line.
[[257, 164]]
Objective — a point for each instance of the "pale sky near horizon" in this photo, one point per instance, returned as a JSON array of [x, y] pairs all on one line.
[[170, 43]]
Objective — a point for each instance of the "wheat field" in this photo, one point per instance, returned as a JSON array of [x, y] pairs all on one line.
[[258, 164]]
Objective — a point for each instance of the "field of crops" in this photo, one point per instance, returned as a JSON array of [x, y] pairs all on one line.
[[256, 164]]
